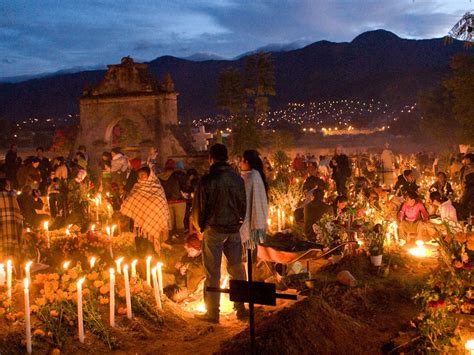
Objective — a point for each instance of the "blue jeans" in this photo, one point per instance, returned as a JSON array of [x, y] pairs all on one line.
[[213, 245]]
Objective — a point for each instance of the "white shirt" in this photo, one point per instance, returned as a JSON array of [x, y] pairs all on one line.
[[448, 212]]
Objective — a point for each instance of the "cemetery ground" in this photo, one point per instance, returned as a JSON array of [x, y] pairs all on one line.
[[373, 317]]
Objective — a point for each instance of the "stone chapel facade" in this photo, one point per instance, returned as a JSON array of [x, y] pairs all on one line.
[[129, 108]]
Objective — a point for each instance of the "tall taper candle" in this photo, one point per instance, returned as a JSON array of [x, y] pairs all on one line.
[[80, 320], [128, 297], [27, 316], [156, 288], [112, 297]]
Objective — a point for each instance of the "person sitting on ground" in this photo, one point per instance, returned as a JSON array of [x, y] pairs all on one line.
[[30, 201], [340, 207], [442, 185], [405, 183], [189, 272], [466, 203], [313, 181], [313, 212], [411, 217], [444, 206]]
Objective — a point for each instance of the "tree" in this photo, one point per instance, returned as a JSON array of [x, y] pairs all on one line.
[[230, 92], [461, 87], [246, 99], [437, 116], [260, 83]]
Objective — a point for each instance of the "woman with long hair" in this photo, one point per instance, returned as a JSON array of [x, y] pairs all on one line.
[[253, 229]]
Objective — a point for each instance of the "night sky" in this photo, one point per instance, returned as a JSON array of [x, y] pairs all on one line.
[[40, 36]]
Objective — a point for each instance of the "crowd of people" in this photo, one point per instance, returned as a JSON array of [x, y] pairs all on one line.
[[223, 212]]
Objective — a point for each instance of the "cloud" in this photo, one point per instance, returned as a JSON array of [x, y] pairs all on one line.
[[49, 35]]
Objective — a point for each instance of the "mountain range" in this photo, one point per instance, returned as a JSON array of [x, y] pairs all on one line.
[[375, 65]]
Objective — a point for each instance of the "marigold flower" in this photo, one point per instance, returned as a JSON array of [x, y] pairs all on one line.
[[39, 332], [10, 317], [72, 287], [72, 274], [122, 310], [19, 315], [460, 237], [104, 300], [40, 301], [121, 293], [2, 311], [104, 289], [98, 283], [65, 278], [54, 313], [93, 276], [34, 308]]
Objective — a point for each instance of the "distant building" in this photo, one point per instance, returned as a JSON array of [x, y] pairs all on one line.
[[130, 109]]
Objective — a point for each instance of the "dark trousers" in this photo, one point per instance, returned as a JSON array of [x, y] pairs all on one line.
[[341, 185], [213, 246]]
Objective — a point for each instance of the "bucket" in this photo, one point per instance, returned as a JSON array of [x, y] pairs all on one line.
[[376, 260]]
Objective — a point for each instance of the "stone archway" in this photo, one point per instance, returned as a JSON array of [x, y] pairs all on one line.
[[123, 132]]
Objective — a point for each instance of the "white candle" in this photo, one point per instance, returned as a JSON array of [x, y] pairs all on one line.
[[92, 261], [134, 268], [27, 316], [46, 229], [27, 271], [148, 270], [9, 278], [80, 321], [3, 275], [128, 298], [112, 297], [156, 288], [66, 265], [93, 228], [160, 276], [118, 262]]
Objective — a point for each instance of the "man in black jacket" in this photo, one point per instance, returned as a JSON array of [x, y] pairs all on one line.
[[218, 211], [341, 171], [405, 182]]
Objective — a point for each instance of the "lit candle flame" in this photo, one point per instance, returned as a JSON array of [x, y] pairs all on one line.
[[66, 265], [92, 261]]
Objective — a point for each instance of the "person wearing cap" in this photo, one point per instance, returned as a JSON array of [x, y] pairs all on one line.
[[219, 208], [173, 182], [119, 166], [188, 274]]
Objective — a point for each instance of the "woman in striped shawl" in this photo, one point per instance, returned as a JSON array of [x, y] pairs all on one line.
[[10, 223], [253, 229]]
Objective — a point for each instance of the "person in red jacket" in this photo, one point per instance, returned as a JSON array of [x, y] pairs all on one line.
[[412, 216]]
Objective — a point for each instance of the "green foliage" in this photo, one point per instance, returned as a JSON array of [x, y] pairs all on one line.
[[279, 140], [230, 92], [246, 136], [436, 110], [461, 86], [447, 111], [281, 161]]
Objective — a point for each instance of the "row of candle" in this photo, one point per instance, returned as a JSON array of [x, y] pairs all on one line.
[[281, 219], [154, 273]]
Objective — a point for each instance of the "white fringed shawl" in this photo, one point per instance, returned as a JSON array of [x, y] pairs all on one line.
[[253, 229]]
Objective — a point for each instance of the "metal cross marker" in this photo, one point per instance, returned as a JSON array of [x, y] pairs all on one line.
[[253, 293]]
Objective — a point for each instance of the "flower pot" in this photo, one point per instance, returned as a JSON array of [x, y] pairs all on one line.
[[376, 260]]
